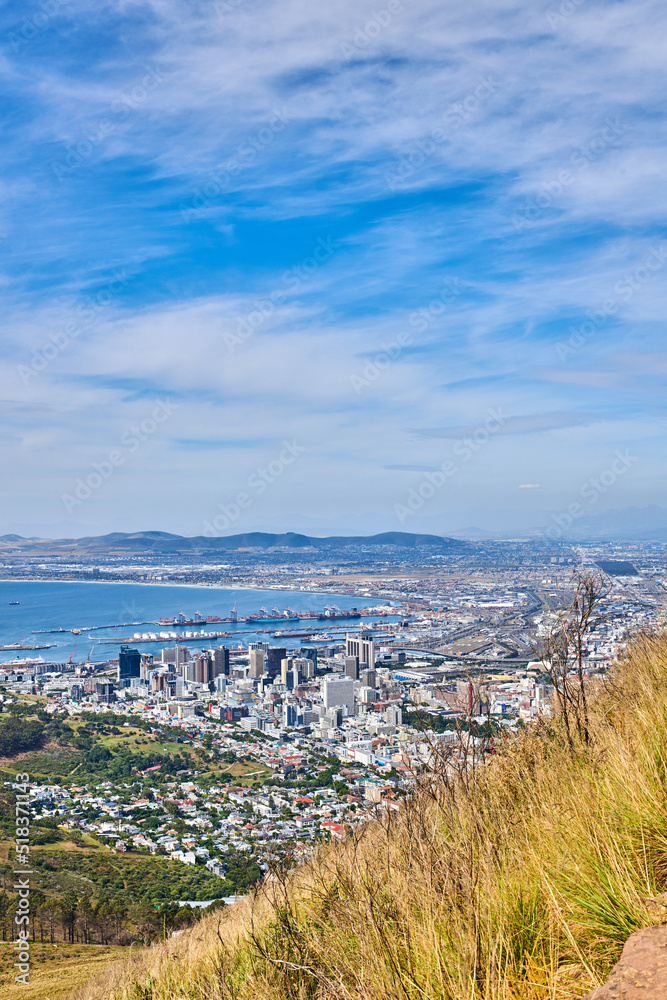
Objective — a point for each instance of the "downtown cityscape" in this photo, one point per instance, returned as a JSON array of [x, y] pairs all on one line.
[[214, 746]]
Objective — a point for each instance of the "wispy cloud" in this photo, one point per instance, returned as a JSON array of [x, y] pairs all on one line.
[[181, 91]]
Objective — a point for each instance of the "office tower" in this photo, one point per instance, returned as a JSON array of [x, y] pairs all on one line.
[[129, 665], [338, 692], [276, 655], [352, 667], [264, 646], [256, 662], [366, 695], [221, 661], [306, 667], [393, 715], [293, 678], [290, 715], [363, 648], [159, 682], [310, 654], [203, 669], [367, 678], [285, 665], [333, 718]]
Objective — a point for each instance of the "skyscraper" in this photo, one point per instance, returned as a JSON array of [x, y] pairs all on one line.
[[256, 662], [310, 654], [305, 666], [221, 661], [129, 665], [352, 667], [204, 668], [338, 692], [273, 660], [363, 648], [286, 664]]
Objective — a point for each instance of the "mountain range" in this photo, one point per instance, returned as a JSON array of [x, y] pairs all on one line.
[[164, 542]]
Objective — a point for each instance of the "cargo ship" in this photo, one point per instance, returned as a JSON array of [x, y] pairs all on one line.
[[330, 613], [276, 616], [199, 619]]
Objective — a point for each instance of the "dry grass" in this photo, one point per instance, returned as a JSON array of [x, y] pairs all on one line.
[[515, 881], [55, 970]]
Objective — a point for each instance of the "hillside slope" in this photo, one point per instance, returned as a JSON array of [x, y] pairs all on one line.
[[519, 880]]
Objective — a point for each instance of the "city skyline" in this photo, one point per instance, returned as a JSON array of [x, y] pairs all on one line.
[[329, 261]]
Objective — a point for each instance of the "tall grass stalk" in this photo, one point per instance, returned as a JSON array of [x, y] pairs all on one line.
[[518, 879]]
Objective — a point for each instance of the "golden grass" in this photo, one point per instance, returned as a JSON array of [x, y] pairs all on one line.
[[56, 970], [519, 880]]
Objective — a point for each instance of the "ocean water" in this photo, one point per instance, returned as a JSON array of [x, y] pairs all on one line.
[[82, 605]]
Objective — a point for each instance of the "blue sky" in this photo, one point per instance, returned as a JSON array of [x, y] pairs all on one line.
[[372, 231]]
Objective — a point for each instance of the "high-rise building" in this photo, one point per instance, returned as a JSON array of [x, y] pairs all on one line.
[[204, 668], [310, 654], [290, 715], [305, 666], [221, 661], [352, 667], [129, 665], [275, 656], [264, 646], [286, 664], [293, 678], [367, 678], [256, 662], [338, 692], [363, 648], [393, 715]]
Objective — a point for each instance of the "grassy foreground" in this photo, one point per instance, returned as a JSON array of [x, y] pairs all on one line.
[[519, 880]]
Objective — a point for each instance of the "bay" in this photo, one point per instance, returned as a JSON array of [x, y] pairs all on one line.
[[81, 605]]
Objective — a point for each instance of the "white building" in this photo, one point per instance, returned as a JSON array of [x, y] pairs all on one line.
[[338, 692]]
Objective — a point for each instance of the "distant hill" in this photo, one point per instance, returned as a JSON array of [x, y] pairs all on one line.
[[163, 541]]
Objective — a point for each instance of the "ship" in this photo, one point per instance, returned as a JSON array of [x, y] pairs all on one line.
[[276, 616], [332, 612], [199, 619], [18, 645], [14, 602]]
